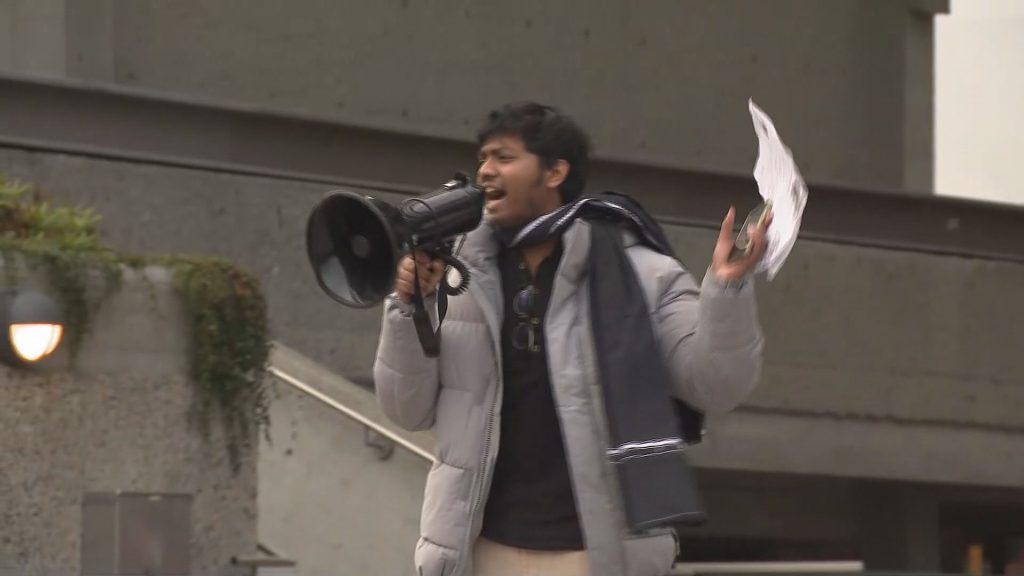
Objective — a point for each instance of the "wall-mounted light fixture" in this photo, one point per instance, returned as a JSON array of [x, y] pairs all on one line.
[[33, 327]]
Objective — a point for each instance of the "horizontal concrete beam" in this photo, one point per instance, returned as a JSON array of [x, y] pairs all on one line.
[[770, 441], [118, 123]]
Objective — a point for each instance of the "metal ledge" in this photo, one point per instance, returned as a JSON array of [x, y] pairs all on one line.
[[789, 568], [138, 126]]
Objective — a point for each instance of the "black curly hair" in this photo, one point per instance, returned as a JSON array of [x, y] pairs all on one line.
[[548, 133]]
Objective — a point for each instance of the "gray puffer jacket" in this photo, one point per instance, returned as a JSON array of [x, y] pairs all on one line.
[[711, 342]]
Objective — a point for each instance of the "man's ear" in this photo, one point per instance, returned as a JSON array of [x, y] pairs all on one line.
[[556, 174]]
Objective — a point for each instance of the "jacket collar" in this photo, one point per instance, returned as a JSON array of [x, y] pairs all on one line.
[[480, 251]]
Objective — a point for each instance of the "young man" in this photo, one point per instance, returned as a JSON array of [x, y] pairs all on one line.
[[521, 484]]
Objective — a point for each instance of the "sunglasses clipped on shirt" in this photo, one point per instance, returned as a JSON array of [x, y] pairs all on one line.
[[526, 335]]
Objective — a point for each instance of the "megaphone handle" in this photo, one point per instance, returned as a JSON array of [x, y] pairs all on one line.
[[430, 339]]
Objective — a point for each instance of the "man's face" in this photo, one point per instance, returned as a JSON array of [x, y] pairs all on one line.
[[518, 188]]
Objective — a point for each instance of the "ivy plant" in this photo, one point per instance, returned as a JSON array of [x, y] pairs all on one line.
[[225, 308]]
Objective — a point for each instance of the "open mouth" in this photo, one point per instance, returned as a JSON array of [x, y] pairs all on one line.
[[493, 195]]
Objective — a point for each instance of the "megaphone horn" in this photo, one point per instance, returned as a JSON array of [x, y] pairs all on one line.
[[353, 246], [354, 242]]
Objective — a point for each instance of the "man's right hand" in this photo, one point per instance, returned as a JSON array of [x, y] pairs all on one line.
[[430, 272]]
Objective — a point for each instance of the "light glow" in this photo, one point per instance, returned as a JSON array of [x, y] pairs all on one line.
[[33, 342]]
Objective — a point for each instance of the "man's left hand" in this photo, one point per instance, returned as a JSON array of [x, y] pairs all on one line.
[[734, 270]]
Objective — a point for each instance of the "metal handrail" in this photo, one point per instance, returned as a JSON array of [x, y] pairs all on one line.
[[376, 427], [824, 567], [262, 562]]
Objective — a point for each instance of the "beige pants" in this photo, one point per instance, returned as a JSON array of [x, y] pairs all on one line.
[[493, 559]]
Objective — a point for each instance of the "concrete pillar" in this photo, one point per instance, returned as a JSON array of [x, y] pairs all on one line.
[[919, 95], [58, 38], [32, 39], [921, 529], [879, 531], [89, 28], [898, 527]]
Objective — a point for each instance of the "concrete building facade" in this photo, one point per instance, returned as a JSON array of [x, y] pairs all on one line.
[[889, 417]]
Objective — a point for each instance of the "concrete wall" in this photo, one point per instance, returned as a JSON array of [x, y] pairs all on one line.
[[327, 499], [884, 346], [327, 502], [33, 38], [118, 420], [660, 81]]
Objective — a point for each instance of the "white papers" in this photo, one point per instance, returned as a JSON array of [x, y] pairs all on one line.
[[780, 183]]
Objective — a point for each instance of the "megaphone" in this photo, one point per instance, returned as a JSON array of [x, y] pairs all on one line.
[[354, 242]]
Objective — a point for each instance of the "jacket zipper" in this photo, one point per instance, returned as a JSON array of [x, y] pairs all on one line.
[[487, 449], [490, 421], [488, 436], [484, 473]]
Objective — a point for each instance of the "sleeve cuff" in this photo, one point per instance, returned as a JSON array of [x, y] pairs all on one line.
[[406, 309], [396, 303], [711, 280]]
